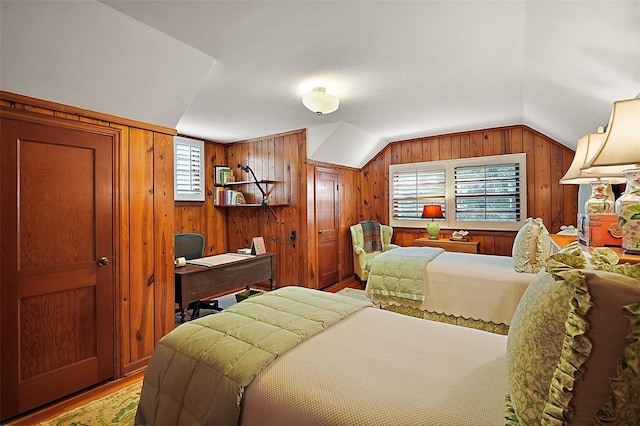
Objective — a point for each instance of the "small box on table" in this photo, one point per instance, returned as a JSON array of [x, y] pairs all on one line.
[[599, 230]]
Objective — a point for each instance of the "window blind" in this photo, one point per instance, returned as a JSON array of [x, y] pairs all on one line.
[[188, 170], [413, 189], [488, 193]]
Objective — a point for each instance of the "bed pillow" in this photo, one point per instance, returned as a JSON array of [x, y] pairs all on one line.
[[531, 246], [534, 342], [594, 370]]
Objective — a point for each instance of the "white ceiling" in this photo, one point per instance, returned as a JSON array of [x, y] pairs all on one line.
[[234, 70]]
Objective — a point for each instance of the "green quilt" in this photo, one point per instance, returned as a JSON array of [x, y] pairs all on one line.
[[198, 372]]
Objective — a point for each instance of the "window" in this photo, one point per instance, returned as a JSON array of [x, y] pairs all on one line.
[[188, 169], [474, 193]]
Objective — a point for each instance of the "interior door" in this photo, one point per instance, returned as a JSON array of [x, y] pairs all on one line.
[[328, 226], [57, 291]]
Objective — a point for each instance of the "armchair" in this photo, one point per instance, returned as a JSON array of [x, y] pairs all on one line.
[[362, 259]]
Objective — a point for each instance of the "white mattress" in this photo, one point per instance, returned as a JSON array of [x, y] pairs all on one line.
[[381, 368]]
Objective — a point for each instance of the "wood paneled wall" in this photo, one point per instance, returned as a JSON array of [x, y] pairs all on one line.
[[202, 217], [279, 158], [144, 227], [547, 161]]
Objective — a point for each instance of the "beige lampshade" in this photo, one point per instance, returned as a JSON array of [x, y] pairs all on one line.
[[621, 147], [587, 147]]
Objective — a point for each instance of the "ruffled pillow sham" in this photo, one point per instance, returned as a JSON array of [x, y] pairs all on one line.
[[531, 246], [573, 350]]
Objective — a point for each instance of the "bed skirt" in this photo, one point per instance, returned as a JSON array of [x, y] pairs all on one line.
[[448, 319]]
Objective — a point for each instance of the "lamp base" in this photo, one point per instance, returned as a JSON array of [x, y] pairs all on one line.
[[628, 209], [433, 229]]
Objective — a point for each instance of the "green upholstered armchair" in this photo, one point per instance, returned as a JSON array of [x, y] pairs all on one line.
[[361, 259]]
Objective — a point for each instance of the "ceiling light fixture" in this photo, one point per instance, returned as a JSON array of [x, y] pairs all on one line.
[[320, 102]]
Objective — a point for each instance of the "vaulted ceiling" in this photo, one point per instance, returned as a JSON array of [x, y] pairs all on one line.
[[233, 70]]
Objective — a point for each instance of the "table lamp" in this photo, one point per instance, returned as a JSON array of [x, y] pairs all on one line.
[[620, 153], [433, 211], [601, 199]]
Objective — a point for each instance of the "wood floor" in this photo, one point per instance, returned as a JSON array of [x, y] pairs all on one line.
[[77, 400]]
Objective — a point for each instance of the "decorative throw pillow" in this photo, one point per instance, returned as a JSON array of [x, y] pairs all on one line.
[[567, 357], [600, 346], [531, 246], [535, 340]]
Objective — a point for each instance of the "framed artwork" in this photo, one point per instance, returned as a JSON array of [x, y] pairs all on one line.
[[257, 246]]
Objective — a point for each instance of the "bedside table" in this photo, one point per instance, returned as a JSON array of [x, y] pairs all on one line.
[[448, 245]]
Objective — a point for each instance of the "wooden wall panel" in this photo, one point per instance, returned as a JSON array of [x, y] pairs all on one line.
[[202, 217], [280, 158], [547, 161], [163, 214], [141, 243]]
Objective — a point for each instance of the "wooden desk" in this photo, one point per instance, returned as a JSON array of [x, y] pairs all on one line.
[[559, 241], [448, 245], [193, 282]]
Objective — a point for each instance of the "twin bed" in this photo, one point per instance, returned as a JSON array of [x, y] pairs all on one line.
[[354, 364], [483, 289], [298, 356]]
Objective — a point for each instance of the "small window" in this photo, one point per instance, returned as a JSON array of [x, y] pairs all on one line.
[[188, 169], [474, 193]]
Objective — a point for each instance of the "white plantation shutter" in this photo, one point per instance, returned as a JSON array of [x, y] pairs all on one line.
[[188, 169], [412, 189], [488, 193], [477, 192]]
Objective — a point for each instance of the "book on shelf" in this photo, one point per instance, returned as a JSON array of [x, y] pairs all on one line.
[[223, 174], [228, 197]]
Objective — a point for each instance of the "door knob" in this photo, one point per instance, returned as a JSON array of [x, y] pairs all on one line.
[[103, 261]]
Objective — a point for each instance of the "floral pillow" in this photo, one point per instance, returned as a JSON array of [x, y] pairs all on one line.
[[584, 369], [531, 246], [535, 341]]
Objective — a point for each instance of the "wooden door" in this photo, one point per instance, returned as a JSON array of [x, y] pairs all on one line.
[[57, 295], [328, 227]]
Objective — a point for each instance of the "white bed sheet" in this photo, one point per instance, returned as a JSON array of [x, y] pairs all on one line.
[[380, 368]]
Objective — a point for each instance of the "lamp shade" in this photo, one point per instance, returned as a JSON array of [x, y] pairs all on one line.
[[621, 147], [320, 102], [432, 211], [587, 147]]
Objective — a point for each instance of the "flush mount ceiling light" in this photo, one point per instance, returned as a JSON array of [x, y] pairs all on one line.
[[320, 102]]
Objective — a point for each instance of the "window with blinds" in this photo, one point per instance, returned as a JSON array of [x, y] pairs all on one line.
[[474, 193], [188, 169], [412, 189], [488, 193]]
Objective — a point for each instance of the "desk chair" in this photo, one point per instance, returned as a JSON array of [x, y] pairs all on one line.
[[191, 246]]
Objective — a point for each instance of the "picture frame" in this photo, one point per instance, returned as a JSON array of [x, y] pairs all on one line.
[[257, 246]]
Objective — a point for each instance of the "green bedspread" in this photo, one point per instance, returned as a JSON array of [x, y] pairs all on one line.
[[198, 372], [399, 273]]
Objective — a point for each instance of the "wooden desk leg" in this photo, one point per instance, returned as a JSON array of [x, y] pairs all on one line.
[[270, 284]]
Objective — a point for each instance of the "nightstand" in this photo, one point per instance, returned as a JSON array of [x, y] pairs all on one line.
[[449, 245]]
